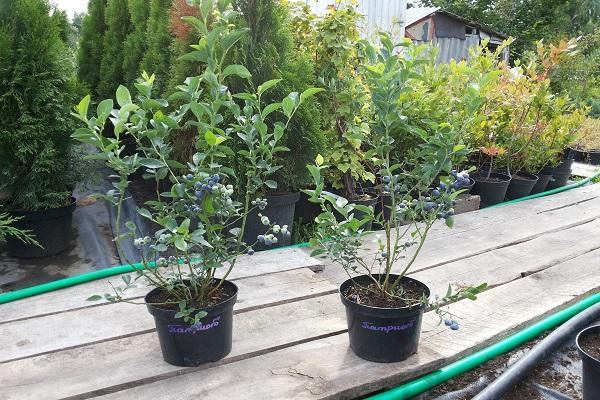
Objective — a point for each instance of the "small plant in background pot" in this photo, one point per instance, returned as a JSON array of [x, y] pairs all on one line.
[[384, 307], [203, 216]]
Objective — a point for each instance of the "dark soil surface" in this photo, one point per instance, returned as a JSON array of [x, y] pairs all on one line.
[[591, 345], [408, 294], [491, 179], [561, 372], [220, 295]]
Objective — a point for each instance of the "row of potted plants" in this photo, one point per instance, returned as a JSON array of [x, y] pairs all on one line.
[[203, 216], [469, 97]]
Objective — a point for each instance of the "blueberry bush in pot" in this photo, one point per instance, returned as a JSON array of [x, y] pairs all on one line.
[[384, 307], [202, 217]]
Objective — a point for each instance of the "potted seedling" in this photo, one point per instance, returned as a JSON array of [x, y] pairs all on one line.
[[201, 219], [39, 166], [489, 185], [384, 306], [344, 104]]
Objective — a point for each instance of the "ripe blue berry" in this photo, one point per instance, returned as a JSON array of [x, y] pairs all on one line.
[[386, 179], [250, 251], [454, 326], [447, 322], [435, 193]]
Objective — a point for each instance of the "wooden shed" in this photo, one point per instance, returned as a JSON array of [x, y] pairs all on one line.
[[452, 34]]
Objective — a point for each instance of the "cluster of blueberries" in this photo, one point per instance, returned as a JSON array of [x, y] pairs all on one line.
[[209, 185], [452, 324]]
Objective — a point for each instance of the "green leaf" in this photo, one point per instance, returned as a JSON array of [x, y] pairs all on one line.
[[144, 213], [211, 138], [232, 38], [94, 298], [271, 184], [319, 160], [82, 107], [151, 163], [267, 85], [236, 69], [288, 106], [450, 222], [269, 109], [180, 244], [308, 93], [184, 228], [104, 109], [123, 96]]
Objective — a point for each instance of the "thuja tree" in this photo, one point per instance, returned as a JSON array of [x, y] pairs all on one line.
[[91, 44], [201, 222], [157, 59], [268, 52], [118, 25], [135, 44], [36, 86]]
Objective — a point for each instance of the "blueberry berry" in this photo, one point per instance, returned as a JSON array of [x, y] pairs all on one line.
[[454, 326]]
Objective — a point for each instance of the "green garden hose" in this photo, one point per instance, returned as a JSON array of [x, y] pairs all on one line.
[[419, 385]]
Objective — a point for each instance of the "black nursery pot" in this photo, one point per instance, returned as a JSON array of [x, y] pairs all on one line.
[[493, 191], [593, 157], [521, 185], [51, 228], [189, 346], [280, 210], [541, 184], [560, 174], [383, 334], [591, 366]]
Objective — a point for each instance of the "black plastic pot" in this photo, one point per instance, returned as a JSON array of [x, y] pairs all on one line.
[[560, 174], [51, 228], [280, 210], [470, 186], [189, 346], [382, 205], [541, 184], [491, 192], [383, 334], [305, 210], [521, 185], [591, 366], [593, 157]]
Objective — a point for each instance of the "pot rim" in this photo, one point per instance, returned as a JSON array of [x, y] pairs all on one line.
[[158, 311], [584, 332], [363, 307], [528, 176], [498, 175], [33, 213]]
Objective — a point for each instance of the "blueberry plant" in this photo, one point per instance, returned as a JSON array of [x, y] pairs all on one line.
[[202, 217], [416, 201]]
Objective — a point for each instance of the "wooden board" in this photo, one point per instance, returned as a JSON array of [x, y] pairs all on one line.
[[289, 325], [326, 368], [508, 266]]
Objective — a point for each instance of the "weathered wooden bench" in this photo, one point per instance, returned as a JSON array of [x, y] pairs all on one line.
[[290, 338]]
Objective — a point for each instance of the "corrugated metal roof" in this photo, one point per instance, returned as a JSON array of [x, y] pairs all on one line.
[[415, 14]]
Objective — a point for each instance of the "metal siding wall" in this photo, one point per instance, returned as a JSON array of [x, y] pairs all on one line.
[[384, 15]]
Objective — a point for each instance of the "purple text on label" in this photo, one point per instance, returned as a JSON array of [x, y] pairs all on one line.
[[194, 328], [389, 328]]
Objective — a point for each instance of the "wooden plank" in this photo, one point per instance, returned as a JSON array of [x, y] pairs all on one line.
[[260, 263], [327, 369], [137, 357], [584, 170], [27, 337], [68, 373]]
